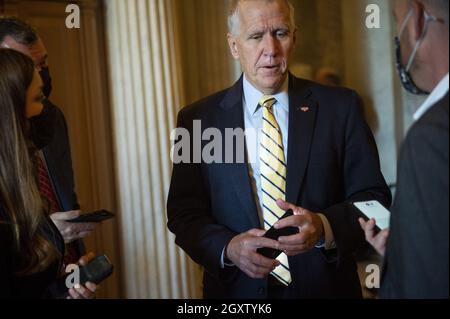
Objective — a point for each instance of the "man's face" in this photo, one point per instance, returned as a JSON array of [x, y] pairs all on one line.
[[37, 51], [264, 43]]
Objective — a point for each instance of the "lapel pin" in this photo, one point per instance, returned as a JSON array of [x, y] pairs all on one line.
[[304, 109]]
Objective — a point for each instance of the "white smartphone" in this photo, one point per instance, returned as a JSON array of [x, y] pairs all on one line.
[[373, 209]]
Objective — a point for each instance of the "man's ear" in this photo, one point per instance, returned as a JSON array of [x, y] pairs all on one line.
[[416, 28], [233, 46]]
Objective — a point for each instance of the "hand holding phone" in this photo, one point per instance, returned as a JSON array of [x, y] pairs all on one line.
[[274, 234], [96, 271], [374, 210], [94, 217]]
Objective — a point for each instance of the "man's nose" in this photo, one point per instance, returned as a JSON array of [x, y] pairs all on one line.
[[270, 46]]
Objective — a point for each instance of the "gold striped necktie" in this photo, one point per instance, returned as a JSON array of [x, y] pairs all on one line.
[[273, 178]]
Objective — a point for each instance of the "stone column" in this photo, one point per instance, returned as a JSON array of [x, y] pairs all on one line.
[[369, 68], [146, 91]]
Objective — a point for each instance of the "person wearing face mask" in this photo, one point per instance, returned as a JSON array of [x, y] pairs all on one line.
[[50, 135], [31, 247], [416, 245]]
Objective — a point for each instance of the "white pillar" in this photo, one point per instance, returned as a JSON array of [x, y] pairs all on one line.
[[146, 95], [369, 68]]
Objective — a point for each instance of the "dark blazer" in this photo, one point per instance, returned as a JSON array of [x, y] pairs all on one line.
[[59, 161], [416, 263], [59, 164], [332, 161], [34, 286]]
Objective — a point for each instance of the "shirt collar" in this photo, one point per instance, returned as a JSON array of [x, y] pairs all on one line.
[[438, 93], [252, 96]]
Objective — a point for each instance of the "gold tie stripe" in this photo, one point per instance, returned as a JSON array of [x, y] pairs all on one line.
[[273, 177]]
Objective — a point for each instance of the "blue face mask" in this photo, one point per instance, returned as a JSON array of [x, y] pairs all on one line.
[[404, 72]]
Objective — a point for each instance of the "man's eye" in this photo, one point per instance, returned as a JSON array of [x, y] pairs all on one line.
[[282, 34], [256, 37]]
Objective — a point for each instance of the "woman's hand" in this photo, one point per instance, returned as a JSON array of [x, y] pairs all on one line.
[[88, 290]]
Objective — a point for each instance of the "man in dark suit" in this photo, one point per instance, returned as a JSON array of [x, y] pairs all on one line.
[[416, 262], [313, 149], [58, 160], [51, 136]]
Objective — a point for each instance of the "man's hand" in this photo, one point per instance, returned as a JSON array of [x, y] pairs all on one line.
[[71, 231], [242, 252], [88, 290], [310, 227], [377, 241]]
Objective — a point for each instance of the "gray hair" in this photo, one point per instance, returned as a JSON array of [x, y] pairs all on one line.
[[234, 20], [17, 29]]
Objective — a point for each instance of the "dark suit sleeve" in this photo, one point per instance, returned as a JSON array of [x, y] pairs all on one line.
[[417, 260], [59, 160], [190, 217], [67, 156], [362, 181]]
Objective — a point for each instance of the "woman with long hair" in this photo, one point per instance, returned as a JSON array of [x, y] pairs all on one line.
[[31, 247]]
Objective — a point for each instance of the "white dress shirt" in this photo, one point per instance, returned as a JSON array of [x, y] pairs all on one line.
[[438, 93]]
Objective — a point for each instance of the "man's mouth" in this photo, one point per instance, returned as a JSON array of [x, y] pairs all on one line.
[[271, 67]]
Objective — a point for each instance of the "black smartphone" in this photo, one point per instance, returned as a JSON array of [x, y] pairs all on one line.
[[94, 217], [275, 234], [97, 270]]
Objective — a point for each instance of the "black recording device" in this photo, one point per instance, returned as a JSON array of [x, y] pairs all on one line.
[[97, 270], [94, 217], [274, 234]]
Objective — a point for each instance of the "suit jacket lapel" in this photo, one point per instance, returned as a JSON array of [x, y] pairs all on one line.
[[302, 116], [233, 117]]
